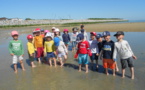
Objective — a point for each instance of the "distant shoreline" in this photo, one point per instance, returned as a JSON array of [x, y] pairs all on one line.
[[7, 24]]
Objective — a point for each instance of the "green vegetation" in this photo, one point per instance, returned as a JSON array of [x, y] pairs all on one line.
[[105, 19]]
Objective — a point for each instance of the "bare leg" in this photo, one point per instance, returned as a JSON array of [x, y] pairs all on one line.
[[123, 73], [15, 68], [32, 64], [106, 70], [22, 65], [113, 72], [54, 62], [61, 62], [50, 62], [39, 60], [65, 58], [116, 67], [80, 66], [132, 72], [87, 68]]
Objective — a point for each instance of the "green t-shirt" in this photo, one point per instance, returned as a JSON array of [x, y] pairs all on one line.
[[16, 47]]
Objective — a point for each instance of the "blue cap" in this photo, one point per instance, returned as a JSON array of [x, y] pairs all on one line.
[[106, 33], [99, 36], [80, 36], [56, 41], [42, 30]]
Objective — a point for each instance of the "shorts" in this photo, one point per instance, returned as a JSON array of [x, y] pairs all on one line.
[[109, 63], [40, 52], [125, 62], [74, 43], [66, 43], [16, 58], [50, 55], [94, 56], [31, 58], [61, 54], [83, 59]]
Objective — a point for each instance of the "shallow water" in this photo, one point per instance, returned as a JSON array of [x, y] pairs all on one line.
[[68, 78]]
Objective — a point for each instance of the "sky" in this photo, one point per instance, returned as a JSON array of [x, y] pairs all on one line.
[[73, 9]]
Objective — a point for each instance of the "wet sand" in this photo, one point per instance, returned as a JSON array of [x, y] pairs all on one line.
[[68, 78]]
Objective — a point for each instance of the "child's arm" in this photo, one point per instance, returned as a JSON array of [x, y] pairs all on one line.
[[115, 53], [97, 50], [69, 37], [10, 48], [101, 55], [129, 48], [22, 48]]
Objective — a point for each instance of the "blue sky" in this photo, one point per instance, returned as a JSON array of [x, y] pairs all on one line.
[[73, 9]]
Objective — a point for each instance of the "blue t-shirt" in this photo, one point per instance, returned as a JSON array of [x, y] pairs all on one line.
[[66, 37], [108, 48]]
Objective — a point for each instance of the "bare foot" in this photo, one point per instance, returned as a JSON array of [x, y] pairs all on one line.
[[114, 74], [107, 74], [16, 71], [86, 71], [123, 76], [117, 70], [50, 65], [23, 69], [55, 66], [33, 66], [80, 70], [132, 77]]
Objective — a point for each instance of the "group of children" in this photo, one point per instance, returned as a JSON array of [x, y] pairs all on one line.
[[54, 47]]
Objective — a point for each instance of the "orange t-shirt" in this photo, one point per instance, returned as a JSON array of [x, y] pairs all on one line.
[[38, 41]]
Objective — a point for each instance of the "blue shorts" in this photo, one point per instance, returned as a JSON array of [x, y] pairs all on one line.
[[83, 59], [74, 43], [94, 57], [50, 55]]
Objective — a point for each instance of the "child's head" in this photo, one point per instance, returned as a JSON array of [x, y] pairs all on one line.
[[37, 31], [30, 38], [99, 37], [42, 31], [49, 38], [53, 29], [82, 26], [93, 35], [119, 35], [82, 38], [75, 29], [106, 35], [46, 31], [57, 32], [15, 35], [65, 31]]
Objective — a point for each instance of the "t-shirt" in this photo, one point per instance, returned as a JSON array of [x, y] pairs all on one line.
[[38, 41], [83, 47], [108, 48], [74, 36], [62, 48], [100, 46], [66, 37], [30, 47], [123, 49], [94, 46], [49, 46], [16, 47]]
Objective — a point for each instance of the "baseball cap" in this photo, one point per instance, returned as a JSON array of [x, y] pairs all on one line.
[[93, 33], [106, 33], [42, 30], [99, 36], [119, 33]]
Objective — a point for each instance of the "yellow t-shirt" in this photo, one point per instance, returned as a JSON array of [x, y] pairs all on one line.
[[49, 46], [38, 41], [31, 48]]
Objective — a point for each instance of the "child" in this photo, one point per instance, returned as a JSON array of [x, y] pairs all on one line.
[[94, 49], [57, 34], [99, 39], [42, 32], [66, 37], [84, 32], [49, 49], [73, 38], [52, 33], [31, 50], [62, 52], [16, 50], [82, 52], [107, 52], [38, 43], [125, 53]]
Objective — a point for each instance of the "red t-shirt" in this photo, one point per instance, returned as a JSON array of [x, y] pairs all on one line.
[[83, 47]]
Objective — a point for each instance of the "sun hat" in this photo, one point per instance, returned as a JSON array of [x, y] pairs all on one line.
[[75, 29], [29, 36], [57, 30], [14, 33]]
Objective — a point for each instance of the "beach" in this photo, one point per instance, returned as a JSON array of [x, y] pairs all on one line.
[[44, 77]]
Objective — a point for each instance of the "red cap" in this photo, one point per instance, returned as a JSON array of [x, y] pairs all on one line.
[[29, 37], [93, 33], [65, 30], [37, 30]]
